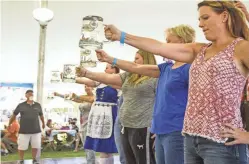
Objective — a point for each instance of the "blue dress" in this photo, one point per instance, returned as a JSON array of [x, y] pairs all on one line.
[[100, 133]]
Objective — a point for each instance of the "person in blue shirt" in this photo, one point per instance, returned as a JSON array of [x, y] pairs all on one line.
[[171, 96]]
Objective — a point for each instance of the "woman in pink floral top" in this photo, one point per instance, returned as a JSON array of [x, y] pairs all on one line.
[[217, 77]]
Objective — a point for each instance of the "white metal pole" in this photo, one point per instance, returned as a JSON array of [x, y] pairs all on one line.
[[41, 60]]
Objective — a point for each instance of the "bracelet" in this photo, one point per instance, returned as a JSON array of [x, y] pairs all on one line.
[[122, 38], [114, 62]]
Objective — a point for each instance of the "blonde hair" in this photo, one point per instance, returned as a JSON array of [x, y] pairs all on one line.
[[236, 24], [148, 58], [185, 32]]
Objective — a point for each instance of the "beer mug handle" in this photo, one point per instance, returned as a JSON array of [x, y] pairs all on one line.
[[106, 40]]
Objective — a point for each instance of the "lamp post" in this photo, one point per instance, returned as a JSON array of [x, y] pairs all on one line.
[[43, 16]]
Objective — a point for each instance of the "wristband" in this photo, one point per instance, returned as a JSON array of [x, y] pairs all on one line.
[[122, 38], [114, 62]]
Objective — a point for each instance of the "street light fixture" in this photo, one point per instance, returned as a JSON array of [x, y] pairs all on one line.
[[43, 15]]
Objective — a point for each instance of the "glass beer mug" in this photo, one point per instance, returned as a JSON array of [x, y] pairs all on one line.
[[92, 38], [69, 73], [55, 76]]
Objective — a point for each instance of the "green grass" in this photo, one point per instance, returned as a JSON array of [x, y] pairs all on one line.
[[45, 154]]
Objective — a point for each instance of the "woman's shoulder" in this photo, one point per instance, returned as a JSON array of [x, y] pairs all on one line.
[[199, 46], [242, 53]]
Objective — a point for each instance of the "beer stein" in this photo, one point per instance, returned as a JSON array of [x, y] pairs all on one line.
[[69, 73], [92, 38], [55, 76]]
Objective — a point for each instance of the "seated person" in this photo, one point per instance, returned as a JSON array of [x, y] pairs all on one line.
[[48, 129], [4, 150], [74, 125], [10, 138]]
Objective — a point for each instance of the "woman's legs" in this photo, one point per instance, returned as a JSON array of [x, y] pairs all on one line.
[[167, 146], [106, 158], [159, 150], [137, 146], [77, 142]]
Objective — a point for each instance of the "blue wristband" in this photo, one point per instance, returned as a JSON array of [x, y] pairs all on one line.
[[122, 38], [114, 62]]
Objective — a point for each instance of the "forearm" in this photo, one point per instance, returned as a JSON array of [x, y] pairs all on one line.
[[100, 77], [6, 135], [125, 65], [12, 119], [179, 52], [86, 81], [85, 98], [42, 119], [60, 95], [146, 44], [146, 70], [77, 100]]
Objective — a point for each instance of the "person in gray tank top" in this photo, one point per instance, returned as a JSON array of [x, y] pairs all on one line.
[[135, 113]]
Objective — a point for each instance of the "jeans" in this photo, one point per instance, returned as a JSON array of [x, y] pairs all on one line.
[[117, 133], [198, 150], [169, 148]]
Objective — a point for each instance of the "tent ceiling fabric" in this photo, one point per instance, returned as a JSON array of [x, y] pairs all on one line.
[[20, 32]]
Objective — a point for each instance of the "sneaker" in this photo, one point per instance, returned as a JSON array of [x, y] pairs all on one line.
[[21, 162], [35, 161]]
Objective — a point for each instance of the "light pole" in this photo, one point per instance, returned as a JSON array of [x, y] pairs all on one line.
[[43, 15]]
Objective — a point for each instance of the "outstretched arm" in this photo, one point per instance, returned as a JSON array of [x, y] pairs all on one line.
[[59, 95], [147, 70], [86, 81], [82, 98], [179, 52], [105, 78]]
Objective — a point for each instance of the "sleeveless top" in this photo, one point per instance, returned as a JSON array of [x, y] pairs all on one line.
[[215, 90], [84, 108]]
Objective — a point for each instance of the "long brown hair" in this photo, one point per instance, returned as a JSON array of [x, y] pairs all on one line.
[[148, 58], [236, 23]]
